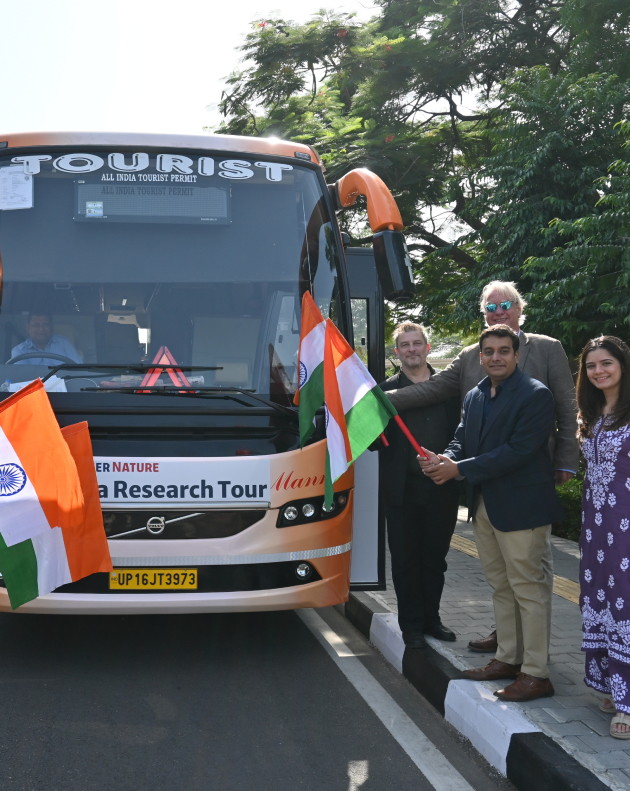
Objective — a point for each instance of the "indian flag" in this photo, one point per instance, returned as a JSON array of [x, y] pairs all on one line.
[[39, 484], [50, 533], [310, 394], [357, 410]]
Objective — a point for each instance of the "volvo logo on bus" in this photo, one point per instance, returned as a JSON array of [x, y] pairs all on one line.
[[155, 525]]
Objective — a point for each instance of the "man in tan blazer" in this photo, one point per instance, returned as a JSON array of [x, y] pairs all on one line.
[[541, 357]]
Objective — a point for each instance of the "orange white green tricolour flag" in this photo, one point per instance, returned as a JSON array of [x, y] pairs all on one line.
[[357, 410], [310, 394], [39, 484], [43, 500]]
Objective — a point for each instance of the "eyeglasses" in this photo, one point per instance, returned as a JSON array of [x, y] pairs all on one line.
[[492, 306]]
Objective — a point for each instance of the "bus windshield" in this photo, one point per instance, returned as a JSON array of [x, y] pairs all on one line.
[[127, 258]]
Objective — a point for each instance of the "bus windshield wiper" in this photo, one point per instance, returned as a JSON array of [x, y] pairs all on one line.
[[118, 367], [283, 410], [199, 392], [194, 390]]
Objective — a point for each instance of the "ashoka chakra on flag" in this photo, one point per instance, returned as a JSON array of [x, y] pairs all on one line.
[[12, 479], [303, 374]]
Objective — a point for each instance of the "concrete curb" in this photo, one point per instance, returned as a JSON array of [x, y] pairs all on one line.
[[500, 732]]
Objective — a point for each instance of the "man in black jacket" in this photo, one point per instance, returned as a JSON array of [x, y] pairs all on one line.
[[420, 516]]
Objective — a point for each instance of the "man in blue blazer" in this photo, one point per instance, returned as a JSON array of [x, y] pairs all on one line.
[[500, 451]]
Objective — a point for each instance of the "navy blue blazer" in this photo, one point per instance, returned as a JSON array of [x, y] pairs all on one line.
[[506, 458]]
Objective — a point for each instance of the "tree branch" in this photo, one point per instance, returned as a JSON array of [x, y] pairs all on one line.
[[437, 243]]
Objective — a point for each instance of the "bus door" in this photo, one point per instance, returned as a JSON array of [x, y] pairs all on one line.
[[368, 542]]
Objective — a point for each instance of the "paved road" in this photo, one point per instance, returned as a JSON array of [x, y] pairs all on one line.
[[265, 702]]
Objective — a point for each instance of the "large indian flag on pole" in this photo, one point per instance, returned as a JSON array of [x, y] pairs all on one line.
[[357, 410], [42, 504], [310, 394]]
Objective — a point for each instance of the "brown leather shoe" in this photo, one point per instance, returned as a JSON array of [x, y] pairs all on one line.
[[526, 687], [492, 671], [485, 645]]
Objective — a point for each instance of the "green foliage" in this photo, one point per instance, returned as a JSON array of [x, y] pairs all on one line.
[[594, 254], [493, 121], [570, 494], [548, 167]]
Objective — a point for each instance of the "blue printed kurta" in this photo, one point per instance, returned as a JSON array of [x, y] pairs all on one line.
[[605, 563]]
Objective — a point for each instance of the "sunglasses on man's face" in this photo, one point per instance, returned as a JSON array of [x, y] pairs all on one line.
[[492, 306]]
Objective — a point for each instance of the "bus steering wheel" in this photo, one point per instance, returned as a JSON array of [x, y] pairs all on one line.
[[28, 355]]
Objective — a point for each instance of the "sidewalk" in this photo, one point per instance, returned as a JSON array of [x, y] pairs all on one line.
[[552, 744]]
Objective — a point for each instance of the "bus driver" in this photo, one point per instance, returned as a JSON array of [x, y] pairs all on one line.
[[41, 338]]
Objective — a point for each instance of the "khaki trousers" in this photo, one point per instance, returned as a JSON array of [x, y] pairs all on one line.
[[517, 566]]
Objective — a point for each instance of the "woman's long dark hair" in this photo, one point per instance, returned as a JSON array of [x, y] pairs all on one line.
[[590, 400]]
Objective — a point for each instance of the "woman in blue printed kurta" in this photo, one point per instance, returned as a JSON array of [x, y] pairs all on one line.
[[603, 393]]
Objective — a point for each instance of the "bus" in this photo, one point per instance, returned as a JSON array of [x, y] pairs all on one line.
[[154, 283]]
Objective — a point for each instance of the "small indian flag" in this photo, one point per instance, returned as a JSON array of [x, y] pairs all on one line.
[[50, 532], [310, 394], [39, 484], [357, 410]]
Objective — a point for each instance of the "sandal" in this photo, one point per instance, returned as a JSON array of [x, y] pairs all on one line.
[[620, 719], [607, 706]]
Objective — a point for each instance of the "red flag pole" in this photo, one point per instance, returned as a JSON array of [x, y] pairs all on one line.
[[418, 448]]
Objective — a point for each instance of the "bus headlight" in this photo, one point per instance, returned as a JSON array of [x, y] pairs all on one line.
[[301, 512]]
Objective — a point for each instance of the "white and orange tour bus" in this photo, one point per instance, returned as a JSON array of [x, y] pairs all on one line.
[[171, 271]]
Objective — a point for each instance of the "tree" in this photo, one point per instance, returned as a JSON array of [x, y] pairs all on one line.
[[487, 118], [588, 294], [550, 151]]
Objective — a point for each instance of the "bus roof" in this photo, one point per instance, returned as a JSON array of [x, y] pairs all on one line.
[[265, 146]]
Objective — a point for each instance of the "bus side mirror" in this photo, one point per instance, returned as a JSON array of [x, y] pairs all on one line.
[[393, 264], [390, 251]]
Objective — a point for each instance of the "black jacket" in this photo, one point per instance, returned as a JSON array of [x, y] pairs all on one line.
[[432, 426]]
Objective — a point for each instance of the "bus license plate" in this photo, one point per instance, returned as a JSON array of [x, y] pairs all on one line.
[[153, 579]]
